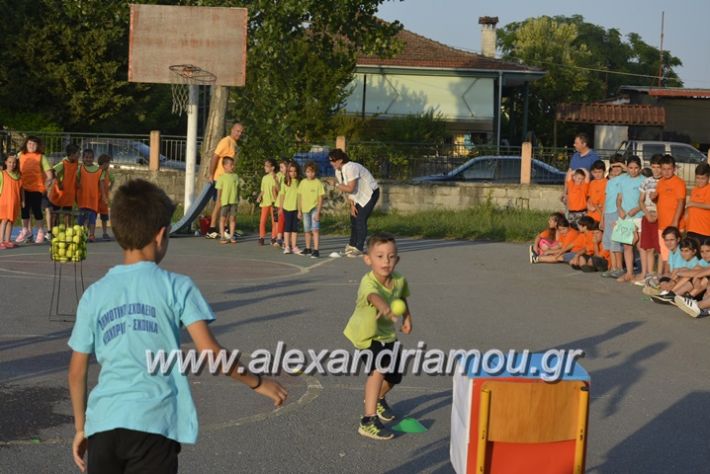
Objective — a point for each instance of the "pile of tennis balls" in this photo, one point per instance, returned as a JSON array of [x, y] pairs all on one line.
[[68, 243]]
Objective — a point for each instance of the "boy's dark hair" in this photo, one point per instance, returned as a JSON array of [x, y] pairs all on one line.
[[646, 172], [228, 159], [705, 243], [87, 151], [580, 172], [586, 221], [583, 137], [138, 212], [634, 159], [666, 160], [594, 225], [690, 243], [337, 154], [598, 165], [311, 165], [380, 238], [656, 159], [271, 161], [71, 149], [616, 158], [562, 222], [37, 140], [103, 159], [671, 230], [703, 169]]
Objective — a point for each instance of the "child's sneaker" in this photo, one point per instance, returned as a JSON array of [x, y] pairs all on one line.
[[92, 238], [315, 254], [353, 253], [2, 246], [106, 237], [296, 251], [40, 237], [373, 429], [306, 251], [384, 412], [287, 250], [212, 233], [261, 241], [280, 243], [664, 297], [531, 254], [534, 259], [688, 305], [24, 234]]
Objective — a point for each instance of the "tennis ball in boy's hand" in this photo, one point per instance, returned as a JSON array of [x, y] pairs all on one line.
[[398, 307]]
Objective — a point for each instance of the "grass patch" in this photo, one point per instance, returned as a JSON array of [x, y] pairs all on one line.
[[482, 222]]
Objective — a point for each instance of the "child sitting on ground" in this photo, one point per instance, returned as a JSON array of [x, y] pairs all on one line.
[[546, 241], [135, 418], [568, 245], [585, 239], [682, 255], [697, 300]]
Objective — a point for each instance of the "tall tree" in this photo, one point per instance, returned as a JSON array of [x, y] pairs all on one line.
[[582, 61]]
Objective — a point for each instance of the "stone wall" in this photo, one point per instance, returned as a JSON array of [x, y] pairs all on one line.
[[400, 197]]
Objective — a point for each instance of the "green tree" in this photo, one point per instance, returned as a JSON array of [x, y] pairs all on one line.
[[582, 61]]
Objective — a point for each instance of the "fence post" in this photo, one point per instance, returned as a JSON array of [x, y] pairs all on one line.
[[340, 142], [154, 164], [525, 163]]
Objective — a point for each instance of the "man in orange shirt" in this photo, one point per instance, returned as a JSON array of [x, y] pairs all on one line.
[[698, 207], [577, 186], [226, 147], [670, 198]]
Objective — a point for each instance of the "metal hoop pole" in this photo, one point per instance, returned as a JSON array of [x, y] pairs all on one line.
[[191, 152]]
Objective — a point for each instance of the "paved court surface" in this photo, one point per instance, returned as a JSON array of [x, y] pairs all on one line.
[[648, 363]]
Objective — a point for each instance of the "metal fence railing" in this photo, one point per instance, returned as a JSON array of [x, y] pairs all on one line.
[[127, 150]]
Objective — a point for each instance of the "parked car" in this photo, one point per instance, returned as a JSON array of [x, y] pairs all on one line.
[[318, 155], [128, 152], [686, 156], [498, 169]]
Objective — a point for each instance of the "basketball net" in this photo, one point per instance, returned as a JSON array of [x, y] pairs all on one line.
[[184, 76]]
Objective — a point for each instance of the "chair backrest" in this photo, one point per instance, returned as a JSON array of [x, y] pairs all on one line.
[[533, 412]]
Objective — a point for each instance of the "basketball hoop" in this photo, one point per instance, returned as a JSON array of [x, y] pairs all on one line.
[[186, 75]]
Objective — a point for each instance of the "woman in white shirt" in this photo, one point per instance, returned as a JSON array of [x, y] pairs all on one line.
[[362, 191]]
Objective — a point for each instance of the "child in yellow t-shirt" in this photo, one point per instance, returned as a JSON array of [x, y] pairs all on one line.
[[288, 205], [310, 202], [267, 201], [371, 329]]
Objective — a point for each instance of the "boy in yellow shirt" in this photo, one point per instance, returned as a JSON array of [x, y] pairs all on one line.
[[371, 329], [310, 202], [228, 186]]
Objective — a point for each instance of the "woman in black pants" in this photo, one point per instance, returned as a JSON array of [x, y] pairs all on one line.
[[362, 192]]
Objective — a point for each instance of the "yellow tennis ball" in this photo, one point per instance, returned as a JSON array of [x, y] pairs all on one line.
[[398, 307]]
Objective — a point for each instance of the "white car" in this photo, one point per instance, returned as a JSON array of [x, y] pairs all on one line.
[[686, 156]]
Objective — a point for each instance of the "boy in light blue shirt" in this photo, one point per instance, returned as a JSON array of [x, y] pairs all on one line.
[[136, 419]]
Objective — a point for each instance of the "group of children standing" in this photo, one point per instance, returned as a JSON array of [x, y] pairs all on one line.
[[31, 187], [286, 198], [636, 215]]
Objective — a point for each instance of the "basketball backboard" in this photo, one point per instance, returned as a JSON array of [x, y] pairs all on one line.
[[212, 38]]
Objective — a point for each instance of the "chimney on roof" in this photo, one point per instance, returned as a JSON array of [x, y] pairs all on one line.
[[488, 35]]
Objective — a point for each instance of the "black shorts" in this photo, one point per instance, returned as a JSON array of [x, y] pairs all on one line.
[[290, 221], [395, 376], [33, 202], [129, 451], [104, 217], [600, 264]]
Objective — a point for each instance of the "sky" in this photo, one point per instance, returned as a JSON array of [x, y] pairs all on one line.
[[455, 23]]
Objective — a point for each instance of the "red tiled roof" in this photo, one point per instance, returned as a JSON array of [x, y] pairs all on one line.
[[679, 92], [418, 51], [611, 114]]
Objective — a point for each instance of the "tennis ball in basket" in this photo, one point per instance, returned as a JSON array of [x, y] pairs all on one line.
[[398, 307]]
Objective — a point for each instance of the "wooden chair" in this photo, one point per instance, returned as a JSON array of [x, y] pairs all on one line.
[[536, 427]]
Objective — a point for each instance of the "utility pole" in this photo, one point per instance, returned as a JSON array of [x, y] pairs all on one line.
[[660, 59]]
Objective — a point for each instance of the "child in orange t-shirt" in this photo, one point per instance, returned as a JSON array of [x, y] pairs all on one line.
[[546, 241], [88, 194], [12, 196], [596, 191], [569, 245], [698, 207], [577, 186], [670, 199], [584, 244]]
